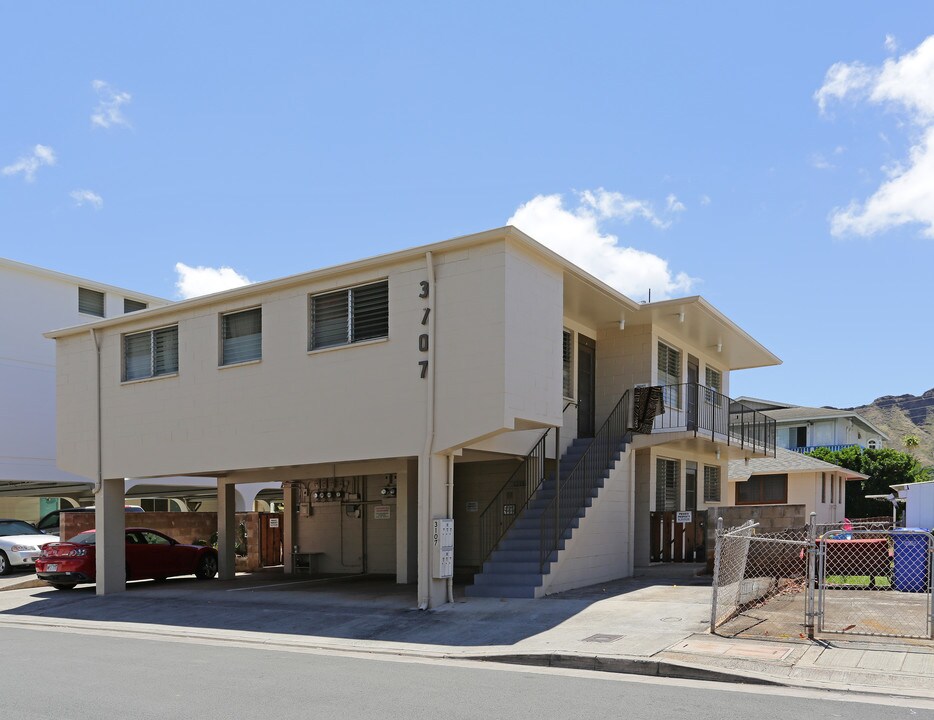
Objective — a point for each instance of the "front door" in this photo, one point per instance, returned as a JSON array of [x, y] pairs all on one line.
[[586, 375], [693, 379]]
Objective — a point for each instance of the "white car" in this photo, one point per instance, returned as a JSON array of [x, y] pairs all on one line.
[[20, 544]]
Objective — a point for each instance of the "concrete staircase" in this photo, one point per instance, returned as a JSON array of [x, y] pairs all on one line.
[[514, 569]]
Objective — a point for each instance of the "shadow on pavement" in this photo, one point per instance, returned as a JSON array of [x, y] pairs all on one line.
[[356, 608]]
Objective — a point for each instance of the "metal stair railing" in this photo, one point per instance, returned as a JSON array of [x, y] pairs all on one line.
[[499, 515], [572, 491]]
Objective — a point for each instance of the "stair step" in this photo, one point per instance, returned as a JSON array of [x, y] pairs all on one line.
[[497, 567], [500, 591], [531, 579]]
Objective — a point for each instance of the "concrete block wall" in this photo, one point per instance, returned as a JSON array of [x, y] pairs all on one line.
[[624, 358], [184, 527], [771, 519]]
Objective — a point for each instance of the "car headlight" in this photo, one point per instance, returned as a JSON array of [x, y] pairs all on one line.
[[78, 552], [24, 548]]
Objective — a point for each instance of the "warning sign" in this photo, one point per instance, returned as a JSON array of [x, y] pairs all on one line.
[[382, 512]]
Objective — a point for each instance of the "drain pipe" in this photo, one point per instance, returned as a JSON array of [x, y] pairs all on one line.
[[100, 453], [425, 460], [450, 496]]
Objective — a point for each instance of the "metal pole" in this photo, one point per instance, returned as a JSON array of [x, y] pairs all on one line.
[[812, 552], [716, 576]]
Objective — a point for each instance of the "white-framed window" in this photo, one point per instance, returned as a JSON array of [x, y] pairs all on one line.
[[241, 336], [567, 363], [711, 483], [667, 485], [669, 373], [90, 302], [713, 380], [873, 444], [353, 315], [150, 353], [131, 305]]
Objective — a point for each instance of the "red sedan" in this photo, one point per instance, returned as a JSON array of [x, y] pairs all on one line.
[[149, 554]]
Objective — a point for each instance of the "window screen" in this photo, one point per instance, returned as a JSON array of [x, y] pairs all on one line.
[[150, 353], [242, 335], [349, 316], [669, 373], [133, 305], [567, 363], [667, 485], [90, 302], [711, 484]]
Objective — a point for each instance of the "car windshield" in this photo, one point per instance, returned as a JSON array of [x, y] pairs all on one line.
[[85, 538], [16, 527]]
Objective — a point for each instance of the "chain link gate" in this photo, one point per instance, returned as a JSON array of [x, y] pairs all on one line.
[[875, 582]]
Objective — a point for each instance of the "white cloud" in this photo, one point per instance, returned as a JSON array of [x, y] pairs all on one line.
[[820, 162], [576, 234], [87, 196], [674, 205], [891, 44], [900, 84], [109, 103], [195, 281], [29, 164], [705, 200]]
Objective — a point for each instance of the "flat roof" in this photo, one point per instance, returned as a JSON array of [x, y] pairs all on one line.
[[708, 327]]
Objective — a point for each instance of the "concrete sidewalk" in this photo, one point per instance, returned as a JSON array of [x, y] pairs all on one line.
[[655, 624]]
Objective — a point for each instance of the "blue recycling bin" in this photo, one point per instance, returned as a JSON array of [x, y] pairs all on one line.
[[912, 560]]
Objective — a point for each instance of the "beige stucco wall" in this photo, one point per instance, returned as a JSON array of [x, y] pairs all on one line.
[[352, 402]]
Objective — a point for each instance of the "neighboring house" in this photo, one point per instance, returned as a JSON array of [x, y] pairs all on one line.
[[919, 503], [394, 394], [803, 429], [791, 478], [34, 300]]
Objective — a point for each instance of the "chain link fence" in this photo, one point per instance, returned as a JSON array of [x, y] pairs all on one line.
[[850, 578], [753, 571]]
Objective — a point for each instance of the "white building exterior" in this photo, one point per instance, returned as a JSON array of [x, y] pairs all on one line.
[[919, 504], [34, 300], [393, 392]]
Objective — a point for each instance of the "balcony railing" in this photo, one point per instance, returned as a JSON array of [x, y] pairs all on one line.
[[703, 410], [831, 448]]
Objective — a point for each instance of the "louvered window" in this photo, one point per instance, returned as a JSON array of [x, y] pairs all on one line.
[[567, 361], [667, 485], [714, 382], [669, 374], [151, 353], [90, 302], [133, 305], [711, 484], [350, 316], [242, 336]]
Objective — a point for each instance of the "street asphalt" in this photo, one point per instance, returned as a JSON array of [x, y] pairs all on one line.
[[655, 624]]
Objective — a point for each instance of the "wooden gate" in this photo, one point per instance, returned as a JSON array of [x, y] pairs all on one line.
[[673, 541], [270, 540]]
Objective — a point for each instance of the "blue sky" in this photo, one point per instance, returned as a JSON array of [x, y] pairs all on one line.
[[777, 159]]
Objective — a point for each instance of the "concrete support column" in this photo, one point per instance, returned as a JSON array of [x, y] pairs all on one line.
[[289, 536], [110, 539], [226, 529], [407, 523], [432, 503]]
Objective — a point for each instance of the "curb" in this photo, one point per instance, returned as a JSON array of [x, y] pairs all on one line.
[[629, 666], [25, 584]]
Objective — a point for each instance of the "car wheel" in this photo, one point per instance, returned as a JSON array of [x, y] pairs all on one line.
[[63, 586], [207, 567], [4, 564]]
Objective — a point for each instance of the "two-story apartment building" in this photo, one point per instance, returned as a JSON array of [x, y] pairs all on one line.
[[483, 380]]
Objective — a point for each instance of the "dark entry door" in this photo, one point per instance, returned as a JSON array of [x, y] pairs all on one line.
[[586, 376], [693, 379]]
